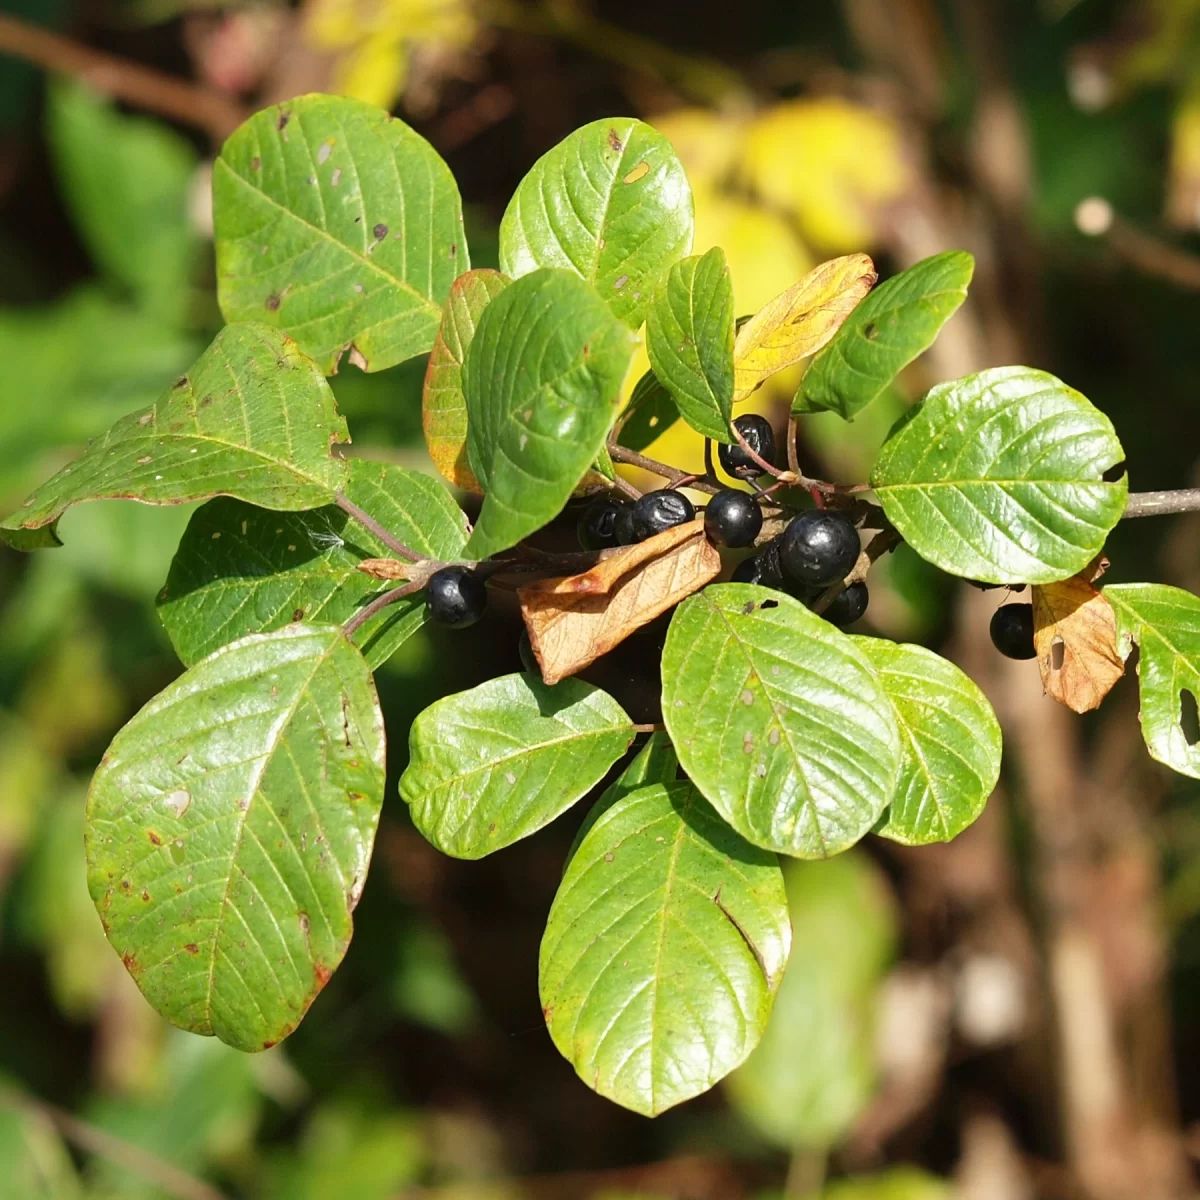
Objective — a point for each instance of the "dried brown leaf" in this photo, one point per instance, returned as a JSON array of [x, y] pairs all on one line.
[[1075, 636], [573, 621]]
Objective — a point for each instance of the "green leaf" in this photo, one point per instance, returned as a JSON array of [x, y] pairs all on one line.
[[253, 418], [814, 1071], [339, 225], [896, 1183], [230, 827], [998, 477], [779, 718], [241, 569], [651, 411], [896, 322], [34, 1162], [492, 765], [610, 202], [443, 405], [1165, 623], [689, 337], [542, 379], [663, 949], [950, 743], [655, 762], [127, 181]]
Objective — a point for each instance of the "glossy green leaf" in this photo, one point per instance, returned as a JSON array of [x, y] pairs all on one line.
[[651, 411], [898, 321], [814, 1072], [689, 337], [230, 827], [950, 743], [127, 181], [610, 202], [338, 224], [443, 405], [1165, 623], [253, 418], [655, 762], [241, 569], [998, 477], [492, 765], [663, 949], [779, 718], [542, 379]]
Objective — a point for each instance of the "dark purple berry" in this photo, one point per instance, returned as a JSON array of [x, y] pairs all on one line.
[[762, 568], [760, 437], [848, 605], [733, 518], [455, 596], [625, 526], [597, 525], [819, 547], [1012, 630], [661, 510]]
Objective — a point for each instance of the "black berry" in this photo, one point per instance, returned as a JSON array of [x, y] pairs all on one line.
[[848, 605], [1012, 630], [455, 596], [657, 511], [762, 568], [760, 437], [597, 526], [625, 526], [733, 518], [819, 548]]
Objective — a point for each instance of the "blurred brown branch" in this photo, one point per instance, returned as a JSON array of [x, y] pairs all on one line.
[[142, 87]]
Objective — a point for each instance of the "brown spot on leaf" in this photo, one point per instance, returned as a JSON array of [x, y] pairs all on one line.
[[181, 382], [614, 142], [272, 302], [321, 974], [380, 231], [284, 118], [298, 615], [130, 962], [268, 1044], [256, 163], [870, 331], [145, 896], [192, 948]]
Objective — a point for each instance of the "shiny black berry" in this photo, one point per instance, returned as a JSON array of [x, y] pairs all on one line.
[[733, 518], [819, 547], [1012, 630], [657, 511], [848, 605], [760, 437], [625, 526], [455, 596], [762, 568], [597, 526]]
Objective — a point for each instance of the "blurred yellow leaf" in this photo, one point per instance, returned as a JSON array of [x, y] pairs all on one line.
[[830, 163], [373, 39], [798, 322], [706, 142], [1183, 176]]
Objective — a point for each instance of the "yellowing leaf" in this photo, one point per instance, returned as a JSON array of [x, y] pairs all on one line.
[[706, 142], [800, 321], [573, 621], [1183, 176], [830, 163], [1075, 636]]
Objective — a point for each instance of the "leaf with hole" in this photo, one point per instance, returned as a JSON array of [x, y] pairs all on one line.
[[689, 337], [949, 738], [779, 718], [610, 202], [229, 830], [1075, 636], [663, 949], [1165, 623], [542, 379], [897, 322], [800, 321], [1000, 477], [241, 569], [492, 765], [253, 418], [338, 224], [443, 405]]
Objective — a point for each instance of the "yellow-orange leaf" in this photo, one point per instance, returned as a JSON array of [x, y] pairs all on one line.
[[1075, 636], [800, 321], [573, 621]]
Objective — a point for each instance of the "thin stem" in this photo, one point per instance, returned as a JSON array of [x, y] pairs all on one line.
[[142, 87], [377, 605], [709, 467], [652, 727], [633, 459], [626, 488], [793, 457], [91, 1140], [369, 523], [770, 468], [1154, 504]]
